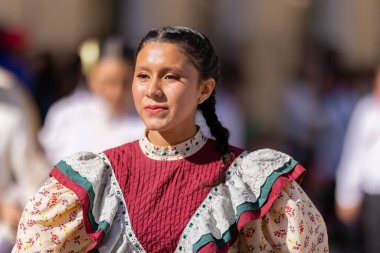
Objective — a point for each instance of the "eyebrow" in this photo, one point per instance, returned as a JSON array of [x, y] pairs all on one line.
[[165, 69]]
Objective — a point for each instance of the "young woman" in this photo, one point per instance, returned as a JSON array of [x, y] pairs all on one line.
[[174, 190]]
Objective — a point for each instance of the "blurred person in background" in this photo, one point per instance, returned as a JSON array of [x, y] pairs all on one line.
[[338, 97], [99, 114], [174, 190], [358, 177], [303, 116], [22, 165]]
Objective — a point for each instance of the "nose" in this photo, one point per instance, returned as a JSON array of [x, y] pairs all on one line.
[[154, 89]]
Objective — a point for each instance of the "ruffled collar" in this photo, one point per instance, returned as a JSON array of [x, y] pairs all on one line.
[[176, 152]]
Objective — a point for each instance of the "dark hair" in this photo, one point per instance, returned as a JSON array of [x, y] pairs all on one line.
[[203, 56]]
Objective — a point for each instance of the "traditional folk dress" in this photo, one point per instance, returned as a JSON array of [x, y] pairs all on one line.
[[145, 198]]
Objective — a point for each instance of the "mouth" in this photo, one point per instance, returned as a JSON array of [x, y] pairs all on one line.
[[155, 109]]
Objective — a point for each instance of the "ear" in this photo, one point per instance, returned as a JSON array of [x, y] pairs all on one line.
[[207, 87]]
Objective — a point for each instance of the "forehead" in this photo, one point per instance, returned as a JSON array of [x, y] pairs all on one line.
[[162, 52], [112, 63], [109, 66]]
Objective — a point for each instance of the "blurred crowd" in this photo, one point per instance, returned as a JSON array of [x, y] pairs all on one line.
[[325, 127], [48, 113], [330, 122]]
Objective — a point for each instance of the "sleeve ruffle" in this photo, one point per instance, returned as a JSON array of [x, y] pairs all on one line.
[[91, 178], [254, 182]]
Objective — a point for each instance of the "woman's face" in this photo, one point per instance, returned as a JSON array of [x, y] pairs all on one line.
[[166, 87], [110, 79]]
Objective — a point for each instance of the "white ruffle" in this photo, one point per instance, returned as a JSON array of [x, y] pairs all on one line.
[[245, 178], [108, 202], [217, 213]]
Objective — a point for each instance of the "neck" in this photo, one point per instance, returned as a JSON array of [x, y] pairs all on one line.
[[172, 137]]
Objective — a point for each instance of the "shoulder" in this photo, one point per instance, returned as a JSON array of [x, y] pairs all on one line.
[[257, 178], [82, 161], [262, 163], [365, 117], [69, 106], [254, 181], [266, 155], [91, 178], [366, 106], [122, 150], [265, 161], [83, 170]]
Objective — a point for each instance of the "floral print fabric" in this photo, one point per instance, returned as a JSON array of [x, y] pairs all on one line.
[[293, 224], [52, 221]]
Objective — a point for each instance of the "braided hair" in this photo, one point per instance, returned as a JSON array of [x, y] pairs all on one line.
[[203, 56]]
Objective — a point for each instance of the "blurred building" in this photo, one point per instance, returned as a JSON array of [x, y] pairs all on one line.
[[266, 37]]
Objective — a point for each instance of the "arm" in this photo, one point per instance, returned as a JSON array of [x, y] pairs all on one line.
[[52, 220], [348, 215], [293, 224], [348, 190]]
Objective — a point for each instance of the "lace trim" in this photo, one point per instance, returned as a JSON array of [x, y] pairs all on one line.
[[184, 244], [248, 170], [127, 222], [254, 172], [176, 152]]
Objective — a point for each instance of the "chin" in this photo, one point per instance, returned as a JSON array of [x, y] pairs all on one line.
[[155, 126]]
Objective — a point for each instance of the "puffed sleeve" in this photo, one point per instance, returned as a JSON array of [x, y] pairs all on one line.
[[292, 224], [53, 221], [260, 208], [80, 209]]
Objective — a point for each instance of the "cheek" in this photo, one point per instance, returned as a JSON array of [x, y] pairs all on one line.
[[137, 95], [116, 90], [95, 87], [185, 100]]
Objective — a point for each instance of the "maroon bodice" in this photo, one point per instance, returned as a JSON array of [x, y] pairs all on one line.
[[162, 195]]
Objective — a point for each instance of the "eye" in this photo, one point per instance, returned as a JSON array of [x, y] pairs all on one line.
[[171, 77], [142, 76]]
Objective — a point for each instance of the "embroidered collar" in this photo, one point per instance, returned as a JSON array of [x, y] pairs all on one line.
[[176, 152]]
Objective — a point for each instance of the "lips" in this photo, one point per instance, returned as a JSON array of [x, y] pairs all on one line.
[[155, 109]]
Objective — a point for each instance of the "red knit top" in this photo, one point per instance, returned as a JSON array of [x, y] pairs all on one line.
[[162, 191]]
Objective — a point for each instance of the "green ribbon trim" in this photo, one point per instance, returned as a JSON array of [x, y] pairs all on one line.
[[104, 225], [232, 230], [87, 186], [266, 188]]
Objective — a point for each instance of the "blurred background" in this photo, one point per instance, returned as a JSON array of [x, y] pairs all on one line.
[[292, 74]]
